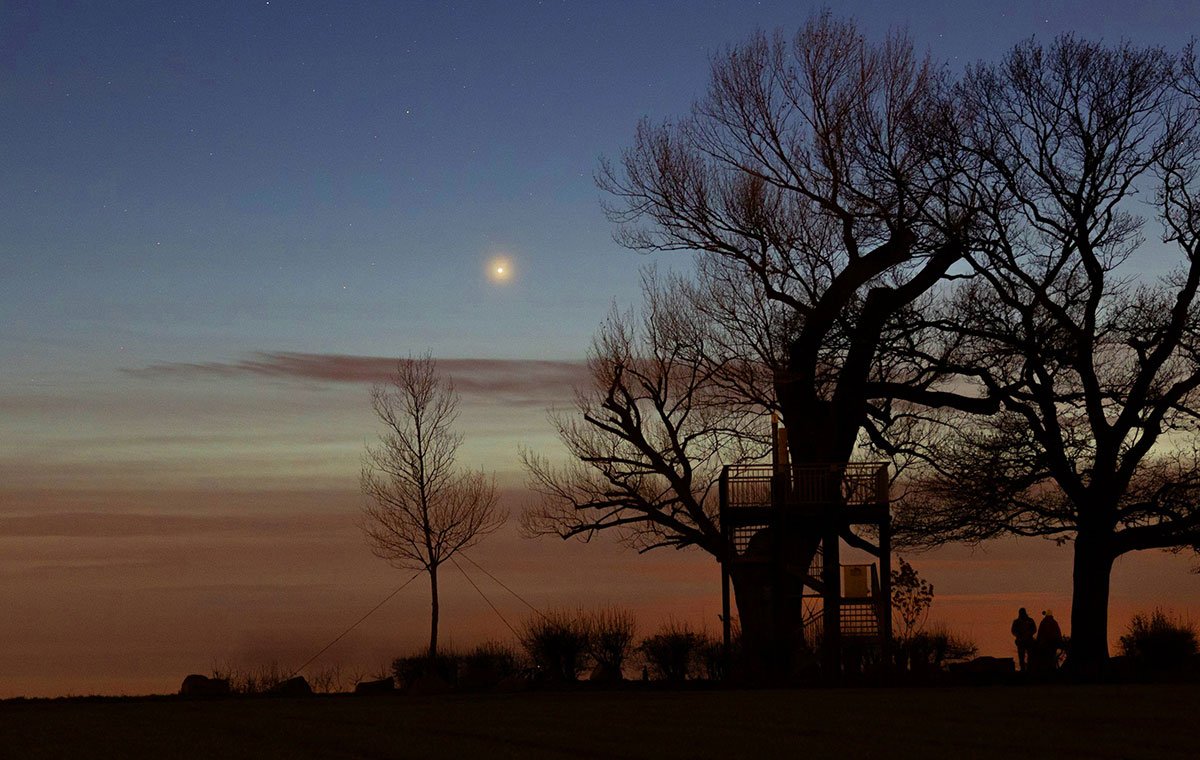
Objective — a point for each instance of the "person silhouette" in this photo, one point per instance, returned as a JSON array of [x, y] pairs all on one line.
[[1024, 631], [1049, 641]]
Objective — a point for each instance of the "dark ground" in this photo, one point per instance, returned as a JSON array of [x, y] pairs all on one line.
[[1132, 721]]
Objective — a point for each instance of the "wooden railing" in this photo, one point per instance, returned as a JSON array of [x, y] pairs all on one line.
[[854, 484]]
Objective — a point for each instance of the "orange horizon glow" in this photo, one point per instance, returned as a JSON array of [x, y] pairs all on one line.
[[206, 514]]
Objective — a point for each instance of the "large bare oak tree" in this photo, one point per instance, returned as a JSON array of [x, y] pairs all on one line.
[[822, 168], [1095, 360], [817, 182]]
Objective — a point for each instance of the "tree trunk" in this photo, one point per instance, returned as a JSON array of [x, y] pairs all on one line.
[[433, 617], [772, 624], [1089, 604], [752, 595], [816, 435], [811, 425]]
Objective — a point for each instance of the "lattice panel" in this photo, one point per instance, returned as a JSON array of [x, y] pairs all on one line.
[[859, 620], [742, 535]]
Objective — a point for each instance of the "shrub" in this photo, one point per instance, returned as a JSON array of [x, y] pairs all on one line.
[[611, 640], [912, 596], [1159, 641], [411, 668], [557, 644], [488, 664], [673, 652], [712, 658], [255, 679], [931, 650], [327, 680]]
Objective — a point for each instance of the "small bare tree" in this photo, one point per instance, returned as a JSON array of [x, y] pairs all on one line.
[[420, 510], [912, 596]]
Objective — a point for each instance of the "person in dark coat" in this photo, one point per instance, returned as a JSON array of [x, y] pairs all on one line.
[[1024, 631], [1049, 641]]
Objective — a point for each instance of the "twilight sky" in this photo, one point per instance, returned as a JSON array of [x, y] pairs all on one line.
[[216, 219]]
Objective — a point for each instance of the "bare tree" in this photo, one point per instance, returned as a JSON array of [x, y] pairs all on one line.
[[818, 182], [1097, 366], [912, 596], [820, 169], [647, 439], [420, 510]]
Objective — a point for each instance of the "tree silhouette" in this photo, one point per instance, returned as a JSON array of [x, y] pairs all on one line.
[[420, 510], [820, 168], [911, 597], [814, 181], [1097, 365], [648, 438]]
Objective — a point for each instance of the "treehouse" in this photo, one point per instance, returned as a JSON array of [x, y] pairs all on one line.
[[787, 525]]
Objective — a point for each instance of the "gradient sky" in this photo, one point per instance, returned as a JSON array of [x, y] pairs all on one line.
[[217, 218]]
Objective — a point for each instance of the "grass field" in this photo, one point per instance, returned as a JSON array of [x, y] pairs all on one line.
[[997, 722]]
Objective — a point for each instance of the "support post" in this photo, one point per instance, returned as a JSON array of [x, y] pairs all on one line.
[[779, 656], [729, 552], [885, 592], [726, 629], [831, 615]]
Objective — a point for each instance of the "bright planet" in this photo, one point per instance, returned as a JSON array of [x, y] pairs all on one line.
[[500, 270]]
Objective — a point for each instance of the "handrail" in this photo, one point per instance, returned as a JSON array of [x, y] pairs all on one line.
[[852, 484]]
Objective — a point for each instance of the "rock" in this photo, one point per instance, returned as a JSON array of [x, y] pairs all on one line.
[[382, 686], [196, 685], [292, 687]]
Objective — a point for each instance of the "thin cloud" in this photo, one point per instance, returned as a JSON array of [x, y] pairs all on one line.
[[524, 381], [132, 525]]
